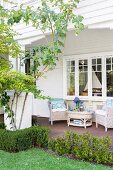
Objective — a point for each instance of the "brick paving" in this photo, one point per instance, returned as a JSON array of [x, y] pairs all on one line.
[[60, 127]]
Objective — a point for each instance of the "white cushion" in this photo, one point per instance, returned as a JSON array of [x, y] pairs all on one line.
[[59, 110], [100, 112]]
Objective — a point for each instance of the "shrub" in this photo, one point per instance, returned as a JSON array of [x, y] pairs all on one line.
[[2, 125], [14, 141], [83, 146], [59, 145]]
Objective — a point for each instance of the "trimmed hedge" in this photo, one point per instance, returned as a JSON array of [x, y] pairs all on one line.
[[2, 125], [83, 146], [15, 141]]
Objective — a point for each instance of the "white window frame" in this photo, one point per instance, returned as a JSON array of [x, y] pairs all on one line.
[[103, 56]]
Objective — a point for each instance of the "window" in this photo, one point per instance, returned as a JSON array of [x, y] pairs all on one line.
[[89, 76], [27, 66], [70, 78], [83, 78], [109, 76], [97, 77]]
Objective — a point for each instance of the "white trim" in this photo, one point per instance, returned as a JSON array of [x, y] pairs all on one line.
[[64, 79], [89, 56], [103, 78], [89, 79], [76, 78]]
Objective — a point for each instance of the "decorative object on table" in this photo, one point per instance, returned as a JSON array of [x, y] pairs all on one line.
[[81, 106], [77, 121], [77, 103]]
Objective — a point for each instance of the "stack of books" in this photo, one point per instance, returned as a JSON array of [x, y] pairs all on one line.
[[77, 121]]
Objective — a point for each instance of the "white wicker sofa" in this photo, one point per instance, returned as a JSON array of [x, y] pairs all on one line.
[[58, 108], [104, 116]]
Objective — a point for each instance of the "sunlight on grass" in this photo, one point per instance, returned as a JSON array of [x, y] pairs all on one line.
[[36, 159]]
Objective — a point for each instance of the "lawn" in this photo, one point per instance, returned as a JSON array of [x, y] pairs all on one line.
[[35, 159]]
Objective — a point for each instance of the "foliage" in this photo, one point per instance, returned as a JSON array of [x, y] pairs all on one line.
[[2, 125], [59, 145], [16, 82], [15, 141], [8, 46], [85, 146], [46, 18], [55, 19]]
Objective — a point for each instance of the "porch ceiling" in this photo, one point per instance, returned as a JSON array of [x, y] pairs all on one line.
[[97, 14], [88, 41]]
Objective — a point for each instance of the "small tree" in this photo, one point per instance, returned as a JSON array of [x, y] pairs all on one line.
[[54, 16], [43, 58]]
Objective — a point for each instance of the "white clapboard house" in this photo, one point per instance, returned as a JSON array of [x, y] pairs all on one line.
[[86, 67]]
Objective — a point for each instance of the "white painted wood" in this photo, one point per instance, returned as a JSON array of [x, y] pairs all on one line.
[[84, 3], [94, 12], [89, 41], [21, 65], [52, 85], [99, 12], [90, 56], [95, 6], [27, 116], [102, 18], [64, 79]]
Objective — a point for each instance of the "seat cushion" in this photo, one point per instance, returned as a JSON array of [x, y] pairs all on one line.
[[58, 103], [109, 103], [59, 110], [100, 112]]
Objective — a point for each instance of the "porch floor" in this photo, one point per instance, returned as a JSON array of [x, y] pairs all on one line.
[[60, 127]]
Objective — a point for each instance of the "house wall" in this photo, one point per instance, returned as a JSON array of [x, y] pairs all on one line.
[[89, 41], [52, 85]]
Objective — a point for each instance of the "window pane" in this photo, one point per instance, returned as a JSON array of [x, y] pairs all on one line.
[[98, 60], [97, 77], [83, 78], [110, 83], [93, 61], [71, 84], [108, 60], [93, 68], [98, 67], [81, 62], [70, 77], [27, 66], [85, 62], [83, 84], [108, 67], [72, 69], [72, 63], [96, 83], [85, 68]]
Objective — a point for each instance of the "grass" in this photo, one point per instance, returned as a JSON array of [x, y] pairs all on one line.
[[36, 159]]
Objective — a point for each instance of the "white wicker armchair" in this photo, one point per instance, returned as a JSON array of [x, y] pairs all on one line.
[[105, 118], [57, 113]]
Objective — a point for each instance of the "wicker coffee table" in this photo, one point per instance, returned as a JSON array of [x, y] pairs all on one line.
[[81, 119]]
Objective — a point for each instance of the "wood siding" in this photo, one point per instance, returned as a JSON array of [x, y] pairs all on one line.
[[97, 14]]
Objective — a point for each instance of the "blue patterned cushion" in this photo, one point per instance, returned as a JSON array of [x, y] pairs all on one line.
[[109, 103], [58, 103]]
